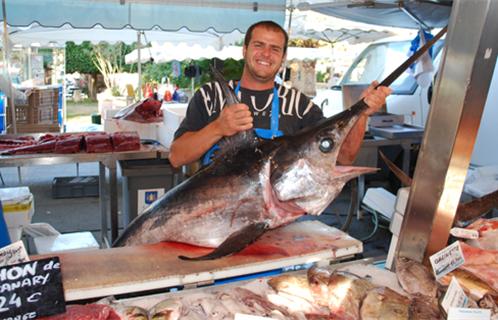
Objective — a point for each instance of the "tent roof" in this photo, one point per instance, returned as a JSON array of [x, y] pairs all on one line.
[[311, 24], [46, 36], [393, 13], [168, 15], [169, 52]]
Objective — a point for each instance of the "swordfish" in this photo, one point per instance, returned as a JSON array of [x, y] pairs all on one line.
[[254, 185]]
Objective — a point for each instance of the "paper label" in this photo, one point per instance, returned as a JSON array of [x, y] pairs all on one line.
[[13, 253], [464, 233], [455, 297], [447, 260], [240, 316], [146, 197], [469, 314]]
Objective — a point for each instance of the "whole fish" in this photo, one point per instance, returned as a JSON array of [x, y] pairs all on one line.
[[293, 285], [346, 294], [253, 185], [415, 278], [250, 188], [386, 304]]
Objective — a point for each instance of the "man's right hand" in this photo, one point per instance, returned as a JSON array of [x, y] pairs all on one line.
[[234, 118], [191, 145]]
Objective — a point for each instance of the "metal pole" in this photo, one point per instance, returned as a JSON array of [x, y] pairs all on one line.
[[460, 94], [139, 65], [6, 65], [284, 65]]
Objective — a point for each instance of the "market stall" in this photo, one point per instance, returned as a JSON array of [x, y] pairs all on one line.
[[437, 186]]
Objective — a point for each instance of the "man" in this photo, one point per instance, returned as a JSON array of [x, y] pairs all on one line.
[[271, 109]]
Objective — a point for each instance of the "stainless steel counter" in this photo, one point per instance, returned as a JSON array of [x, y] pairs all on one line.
[[108, 191]]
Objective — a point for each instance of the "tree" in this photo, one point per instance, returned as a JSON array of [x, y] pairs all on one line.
[[79, 59], [82, 58], [155, 72]]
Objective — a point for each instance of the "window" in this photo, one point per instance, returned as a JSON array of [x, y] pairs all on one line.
[[377, 61]]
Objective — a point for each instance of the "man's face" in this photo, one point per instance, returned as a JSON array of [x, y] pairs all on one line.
[[264, 54]]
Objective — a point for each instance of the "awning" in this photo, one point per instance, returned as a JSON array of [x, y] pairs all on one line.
[[57, 37], [169, 52], [393, 13], [167, 15], [313, 25]]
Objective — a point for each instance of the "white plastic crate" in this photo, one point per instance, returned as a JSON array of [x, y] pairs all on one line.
[[75, 241]]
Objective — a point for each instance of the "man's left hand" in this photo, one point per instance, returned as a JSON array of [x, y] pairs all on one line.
[[375, 98]]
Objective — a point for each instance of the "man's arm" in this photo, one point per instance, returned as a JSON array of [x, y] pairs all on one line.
[[374, 98], [191, 145]]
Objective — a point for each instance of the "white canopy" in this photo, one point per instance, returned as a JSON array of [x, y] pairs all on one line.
[[168, 15], [46, 36], [304, 25], [314, 25], [414, 14], [169, 52]]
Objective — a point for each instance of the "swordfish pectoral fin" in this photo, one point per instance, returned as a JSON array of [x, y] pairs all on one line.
[[234, 243]]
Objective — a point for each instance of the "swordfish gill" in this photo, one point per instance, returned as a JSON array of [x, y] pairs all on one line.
[[254, 185]]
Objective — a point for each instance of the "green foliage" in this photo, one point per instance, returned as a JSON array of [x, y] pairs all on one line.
[[114, 54], [155, 72], [79, 58], [322, 76], [232, 69]]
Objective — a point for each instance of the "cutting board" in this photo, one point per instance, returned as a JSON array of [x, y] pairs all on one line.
[[98, 273]]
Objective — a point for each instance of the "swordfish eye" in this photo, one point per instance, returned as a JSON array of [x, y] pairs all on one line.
[[326, 145]]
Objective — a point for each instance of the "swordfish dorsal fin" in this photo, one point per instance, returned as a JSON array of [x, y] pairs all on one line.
[[234, 243], [228, 145]]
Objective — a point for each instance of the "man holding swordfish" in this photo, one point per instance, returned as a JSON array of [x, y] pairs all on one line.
[[271, 109]]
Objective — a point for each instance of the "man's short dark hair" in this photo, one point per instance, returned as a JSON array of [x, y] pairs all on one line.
[[267, 24]]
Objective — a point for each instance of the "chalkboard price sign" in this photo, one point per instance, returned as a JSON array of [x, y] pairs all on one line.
[[31, 289]]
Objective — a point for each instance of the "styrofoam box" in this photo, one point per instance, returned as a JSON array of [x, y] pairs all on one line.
[[391, 252], [17, 205], [380, 200], [402, 199], [144, 130], [173, 114], [75, 241], [395, 224]]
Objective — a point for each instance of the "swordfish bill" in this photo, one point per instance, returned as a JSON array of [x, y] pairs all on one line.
[[253, 186]]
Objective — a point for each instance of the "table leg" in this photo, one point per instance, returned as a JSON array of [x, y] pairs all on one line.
[[361, 194], [113, 199], [103, 206], [19, 176], [406, 157]]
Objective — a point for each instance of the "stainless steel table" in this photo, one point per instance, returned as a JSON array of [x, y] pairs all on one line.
[[108, 191]]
